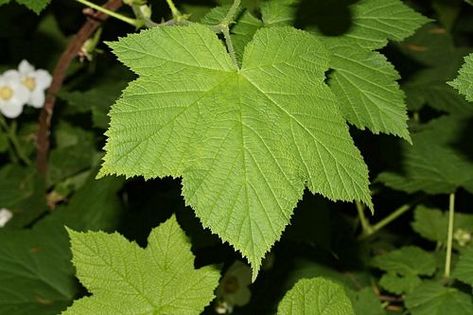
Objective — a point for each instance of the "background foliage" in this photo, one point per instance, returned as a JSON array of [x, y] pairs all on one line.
[[337, 253]]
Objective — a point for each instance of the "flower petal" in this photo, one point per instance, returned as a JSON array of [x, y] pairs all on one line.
[[43, 79], [11, 109], [25, 67], [37, 98], [11, 75], [20, 92]]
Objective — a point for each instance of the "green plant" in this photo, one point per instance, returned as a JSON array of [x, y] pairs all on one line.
[[251, 122]]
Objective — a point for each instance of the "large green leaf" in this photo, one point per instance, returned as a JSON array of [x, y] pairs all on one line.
[[245, 141], [464, 82], [363, 80], [368, 94], [434, 299], [126, 279], [316, 296]]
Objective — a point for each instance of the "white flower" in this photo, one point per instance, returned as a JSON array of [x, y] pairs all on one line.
[[5, 216], [36, 81], [233, 288], [13, 96]]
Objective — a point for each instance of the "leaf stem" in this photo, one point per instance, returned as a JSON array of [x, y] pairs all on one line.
[[229, 18], [228, 41], [175, 12], [134, 22], [451, 216], [372, 229], [11, 134], [365, 224]]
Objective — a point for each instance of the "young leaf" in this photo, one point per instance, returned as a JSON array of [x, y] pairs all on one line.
[[245, 141], [464, 82], [124, 278], [464, 268], [434, 299], [316, 296]]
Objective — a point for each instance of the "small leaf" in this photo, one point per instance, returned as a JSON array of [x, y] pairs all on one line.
[[464, 268], [434, 299], [396, 284], [407, 261], [124, 278], [316, 296], [464, 82]]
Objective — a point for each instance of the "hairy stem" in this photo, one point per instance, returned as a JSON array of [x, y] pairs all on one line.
[[228, 41], [134, 22], [229, 18], [451, 216]]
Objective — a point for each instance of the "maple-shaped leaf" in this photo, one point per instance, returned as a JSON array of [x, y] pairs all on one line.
[[316, 296], [464, 82], [246, 141], [127, 279]]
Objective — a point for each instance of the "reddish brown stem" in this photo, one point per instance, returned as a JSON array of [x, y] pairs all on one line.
[[94, 20]]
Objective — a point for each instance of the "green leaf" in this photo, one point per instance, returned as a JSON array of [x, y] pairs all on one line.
[[35, 5], [434, 299], [464, 82], [432, 224], [375, 22], [396, 284], [364, 81], [278, 12], [124, 278], [431, 46], [316, 296], [464, 268], [433, 164], [368, 94], [407, 261], [365, 302], [35, 270], [245, 141]]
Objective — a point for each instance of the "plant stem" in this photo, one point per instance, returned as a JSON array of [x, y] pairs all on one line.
[[231, 13], [365, 224], [11, 134], [175, 12], [228, 41], [134, 22], [451, 216], [139, 14], [372, 229]]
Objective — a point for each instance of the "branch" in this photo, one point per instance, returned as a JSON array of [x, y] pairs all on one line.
[[75, 45]]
